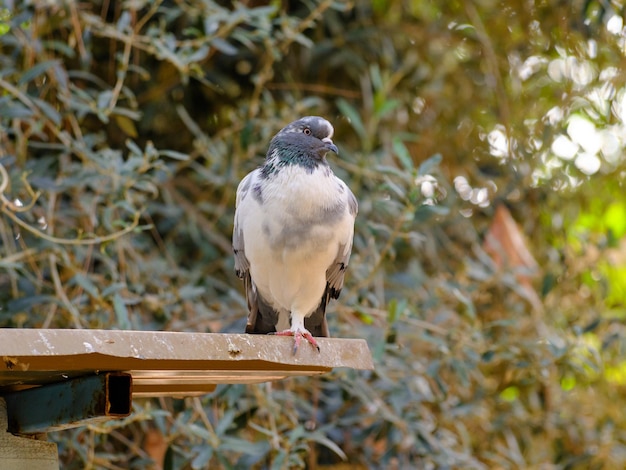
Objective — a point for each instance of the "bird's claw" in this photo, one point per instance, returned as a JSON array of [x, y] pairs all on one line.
[[297, 337]]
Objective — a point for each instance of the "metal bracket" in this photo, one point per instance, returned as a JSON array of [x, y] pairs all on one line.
[[71, 403]]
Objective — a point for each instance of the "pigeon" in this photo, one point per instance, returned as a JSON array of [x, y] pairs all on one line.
[[293, 232]]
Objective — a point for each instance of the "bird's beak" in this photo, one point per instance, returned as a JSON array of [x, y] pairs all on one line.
[[330, 145]]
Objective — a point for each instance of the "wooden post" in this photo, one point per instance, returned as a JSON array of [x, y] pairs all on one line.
[[24, 453]]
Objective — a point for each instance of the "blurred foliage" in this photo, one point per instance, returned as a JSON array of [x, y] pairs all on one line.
[[126, 126]]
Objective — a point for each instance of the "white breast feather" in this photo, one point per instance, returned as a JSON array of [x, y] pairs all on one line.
[[293, 278]]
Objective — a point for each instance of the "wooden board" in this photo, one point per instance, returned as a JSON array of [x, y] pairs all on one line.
[[167, 363]]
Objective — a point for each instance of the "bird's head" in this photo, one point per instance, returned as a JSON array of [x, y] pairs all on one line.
[[310, 135]]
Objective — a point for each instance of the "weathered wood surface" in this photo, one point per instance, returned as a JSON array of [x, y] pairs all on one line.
[[167, 363]]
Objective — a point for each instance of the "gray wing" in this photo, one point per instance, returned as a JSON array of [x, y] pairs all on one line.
[[242, 266], [336, 272], [316, 322], [261, 317]]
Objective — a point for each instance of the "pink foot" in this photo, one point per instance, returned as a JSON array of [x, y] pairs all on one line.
[[297, 337]]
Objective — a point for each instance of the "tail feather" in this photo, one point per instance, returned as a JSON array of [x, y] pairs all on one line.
[[316, 322], [262, 318]]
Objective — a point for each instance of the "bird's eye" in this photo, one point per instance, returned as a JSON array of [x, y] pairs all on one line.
[[307, 131]]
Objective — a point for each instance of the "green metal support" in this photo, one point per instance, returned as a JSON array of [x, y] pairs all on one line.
[[71, 403]]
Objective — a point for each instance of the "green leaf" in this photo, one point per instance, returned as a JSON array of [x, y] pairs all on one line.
[[548, 283], [198, 55], [134, 148], [323, 440], [48, 111], [426, 212], [510, 394], [225, 422], [201, 460], [13, 109], [25, 304], [615, 219], [568, 382], [146, 186], [403, 154], [126, 125], [174, 155], [60, 47], [303, 40], [429, 165], [189, 292], [353, 117], [278, 463], [104, 99], [376, 77], [121, 312], [36, 70], [201, 432], [88, 286], [224, 46], [392, 186], [466, 301]]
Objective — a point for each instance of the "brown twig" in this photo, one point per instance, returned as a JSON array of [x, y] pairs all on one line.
[[315, 88]]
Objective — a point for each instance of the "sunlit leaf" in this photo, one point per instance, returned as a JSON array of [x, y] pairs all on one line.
[[510, 394], [615, 219], [127, 125]]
